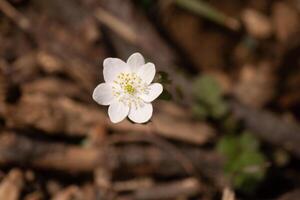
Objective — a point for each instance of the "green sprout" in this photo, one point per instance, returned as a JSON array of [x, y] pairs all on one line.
[[209, 98], [245, 165]]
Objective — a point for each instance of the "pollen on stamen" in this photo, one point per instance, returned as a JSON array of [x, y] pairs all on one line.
[[130, 89], [131, 85]]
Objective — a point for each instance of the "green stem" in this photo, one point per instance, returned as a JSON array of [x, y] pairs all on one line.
[[203, 9]]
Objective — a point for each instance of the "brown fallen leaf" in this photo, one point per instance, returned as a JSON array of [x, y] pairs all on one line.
[[286, 21], [11, 186], [256, 84], [257, 24], [53, 115], [205, 48], [228, 194], [52, 87], [16, 149], [71, 192], [172, 128]]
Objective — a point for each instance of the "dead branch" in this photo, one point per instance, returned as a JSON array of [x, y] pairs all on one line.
[[15, 149], [143, 161], [55, 116], [53, 87], [72, 192], [62, 115], [15, 15], [183, 188], [132, 185], [186, 131], [164, 145], [116, 25], [52, 62], [131, 158], [269, 127], [292, 195], [79, 193]]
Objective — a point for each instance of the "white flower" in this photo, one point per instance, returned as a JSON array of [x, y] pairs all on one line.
[[128, 89]]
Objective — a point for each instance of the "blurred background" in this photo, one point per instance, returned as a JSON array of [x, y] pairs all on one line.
[[226, 127]]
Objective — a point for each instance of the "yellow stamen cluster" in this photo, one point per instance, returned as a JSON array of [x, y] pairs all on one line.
[[127, 89]]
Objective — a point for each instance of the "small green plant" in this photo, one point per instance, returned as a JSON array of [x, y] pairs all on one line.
[[245, 165], [209, 98]]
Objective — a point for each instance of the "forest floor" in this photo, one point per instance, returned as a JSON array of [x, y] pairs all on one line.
[[226, 127]]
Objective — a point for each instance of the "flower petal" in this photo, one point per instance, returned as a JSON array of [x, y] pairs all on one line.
[[155, 90], [103, 94], [147, 72], [141, 114], [135, 61], [112, 67], [117, 111]]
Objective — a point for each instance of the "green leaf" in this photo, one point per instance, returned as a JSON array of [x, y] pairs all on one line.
[[207, 90], [209, 95], [250, 171], [228, 146], [249, 142], [219, 110], [245, 164], [200, 112]]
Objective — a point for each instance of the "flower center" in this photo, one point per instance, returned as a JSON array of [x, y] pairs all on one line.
[[127, 89]]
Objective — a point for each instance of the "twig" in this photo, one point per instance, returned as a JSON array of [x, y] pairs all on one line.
[[132, 185], [168, 127], [291, 195], [15, 15], [168, 147], [19, 150], [134, 159], [269, 127], [63, 115], [174, 151], [184, 188], [116, 25], [71, 192]]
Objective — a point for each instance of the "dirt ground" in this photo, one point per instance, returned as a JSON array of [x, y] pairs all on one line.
[[225, 128]]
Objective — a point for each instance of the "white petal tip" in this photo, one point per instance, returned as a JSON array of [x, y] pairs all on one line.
[[141, 115], [102, 94]]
